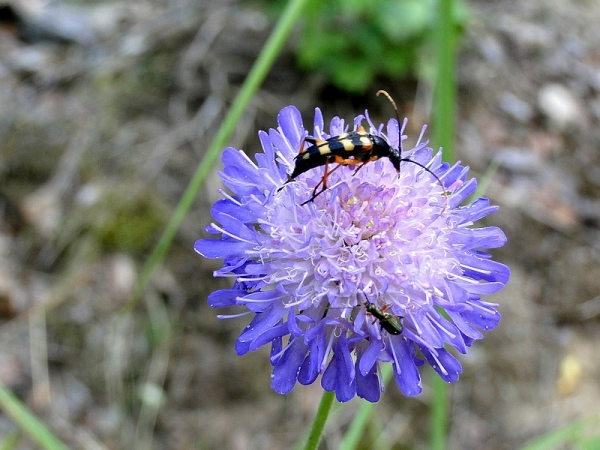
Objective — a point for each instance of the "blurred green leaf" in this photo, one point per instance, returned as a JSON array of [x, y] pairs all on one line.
[[581, 434], [403, 20], [353, 41], [354, 74]]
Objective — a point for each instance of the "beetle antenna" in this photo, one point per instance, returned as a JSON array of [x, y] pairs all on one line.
[[389, 97], [440, 182]]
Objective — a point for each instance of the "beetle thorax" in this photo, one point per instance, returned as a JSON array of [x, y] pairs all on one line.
[[383, 150]]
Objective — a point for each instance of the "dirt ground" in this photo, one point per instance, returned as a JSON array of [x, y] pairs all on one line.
[[105, 111]]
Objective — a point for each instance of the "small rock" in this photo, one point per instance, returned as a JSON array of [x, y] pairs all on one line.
[[123, 276], [491, 49], [560, 105], [518, 109], [529, 38], [518, 160], [31, 60], [43, 210]]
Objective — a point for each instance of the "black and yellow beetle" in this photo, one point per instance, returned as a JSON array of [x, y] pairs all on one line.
[[353, 148]]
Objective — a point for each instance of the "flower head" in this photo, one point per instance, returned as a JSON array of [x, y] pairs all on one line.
[[361, 275]]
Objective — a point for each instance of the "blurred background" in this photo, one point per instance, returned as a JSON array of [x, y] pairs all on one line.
[[107, 107]]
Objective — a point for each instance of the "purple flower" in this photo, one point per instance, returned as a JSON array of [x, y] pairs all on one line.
[[307, 273]]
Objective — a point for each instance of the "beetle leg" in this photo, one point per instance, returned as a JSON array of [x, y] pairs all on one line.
[[322, 183], [364, 163]]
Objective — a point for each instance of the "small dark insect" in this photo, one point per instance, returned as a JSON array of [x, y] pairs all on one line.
[[387, 321], [353, 148]]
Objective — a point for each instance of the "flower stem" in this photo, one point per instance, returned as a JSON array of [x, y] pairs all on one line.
[[319, 423], [363, 415], [438, 416], [444, 106], [257, 74], [445, 84]]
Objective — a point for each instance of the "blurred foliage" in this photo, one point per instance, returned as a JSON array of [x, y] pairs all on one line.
[[127, 223], [353, 41]]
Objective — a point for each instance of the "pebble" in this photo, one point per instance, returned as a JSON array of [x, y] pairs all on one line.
[[560, 106], [517, 108]]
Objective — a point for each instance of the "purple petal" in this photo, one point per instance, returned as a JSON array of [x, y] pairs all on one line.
[[370, 356], [451, 174], [241, 348], [446, 330], [269, 335], [482, 315], [319, 126], [446, 365], [462, 192], [476, 210], [282, 145], [224, 298], [406, 374], [358, 121], [311, 367], [285, 373], [339, 375], [217, 248], [292, 325], [239, 167], [276, 351], [464, 325], [336, 126], [262, 323], [266, 160], [290, 122], [482, 288], [393, 133], [484, 269], [426, 330], [260, 300], [367, 386], [226, 206], [489, 237], [236, 227]]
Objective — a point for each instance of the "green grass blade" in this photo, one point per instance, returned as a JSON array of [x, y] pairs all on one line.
[[443, 136], [255, 78], [484, 181], [363, 415], [445, 85], [569, 435], [21, 415]]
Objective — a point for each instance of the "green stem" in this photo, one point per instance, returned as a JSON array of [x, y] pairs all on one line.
[[445, 85], [319, 423], [363, 415], [256, 76], [443, 131], [19, 413], [439, 411]]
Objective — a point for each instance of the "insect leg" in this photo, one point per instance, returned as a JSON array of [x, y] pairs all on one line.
[[323, 183]]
